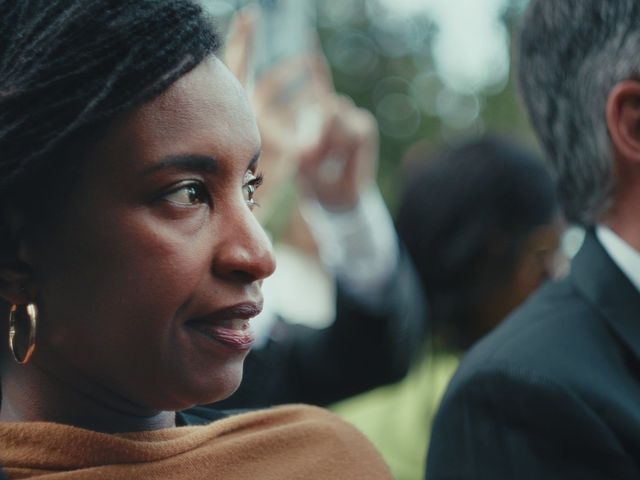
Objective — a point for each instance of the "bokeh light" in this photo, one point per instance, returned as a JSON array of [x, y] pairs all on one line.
[[430, 70]]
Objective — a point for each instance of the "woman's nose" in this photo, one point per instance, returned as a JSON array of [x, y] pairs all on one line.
[[246, 253]]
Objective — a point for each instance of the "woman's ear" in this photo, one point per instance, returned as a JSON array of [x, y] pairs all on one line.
[[16, 274], [15, 279], [623, 120], [539, 255]]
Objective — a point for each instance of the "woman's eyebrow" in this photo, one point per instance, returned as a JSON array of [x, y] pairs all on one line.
[[187, 163]]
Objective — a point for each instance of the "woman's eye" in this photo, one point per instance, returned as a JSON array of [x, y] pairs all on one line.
[[250, 185], [187, 194]]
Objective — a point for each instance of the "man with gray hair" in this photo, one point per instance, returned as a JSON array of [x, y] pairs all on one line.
[[554, 392]]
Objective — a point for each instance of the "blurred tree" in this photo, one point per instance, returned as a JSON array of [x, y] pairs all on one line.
[[391, 58]]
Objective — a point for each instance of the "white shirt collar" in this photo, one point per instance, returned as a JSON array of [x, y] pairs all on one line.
[[624, 255]]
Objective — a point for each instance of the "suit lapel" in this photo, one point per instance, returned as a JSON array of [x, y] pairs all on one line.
[[606, 287]]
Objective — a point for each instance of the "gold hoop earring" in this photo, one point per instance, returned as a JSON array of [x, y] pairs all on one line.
[[32, 313]]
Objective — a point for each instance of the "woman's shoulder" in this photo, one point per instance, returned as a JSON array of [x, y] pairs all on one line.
[[309, 436], [295, 417]]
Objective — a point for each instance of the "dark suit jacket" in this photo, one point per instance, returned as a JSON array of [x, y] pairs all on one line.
[[364, 348], [554, 392]]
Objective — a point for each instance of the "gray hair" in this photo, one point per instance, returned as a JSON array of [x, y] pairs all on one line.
[[572, 54]]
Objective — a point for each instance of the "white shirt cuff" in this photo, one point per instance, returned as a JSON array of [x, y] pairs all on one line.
[[358, 245]]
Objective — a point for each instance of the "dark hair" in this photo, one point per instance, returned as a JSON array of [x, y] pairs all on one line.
[[462, 218], [68, 67], [572, 53]]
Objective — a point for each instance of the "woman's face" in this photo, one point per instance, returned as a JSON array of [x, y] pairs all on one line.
[[147, 279]]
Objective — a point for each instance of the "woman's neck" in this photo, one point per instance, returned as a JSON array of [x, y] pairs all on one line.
[[30, 394]]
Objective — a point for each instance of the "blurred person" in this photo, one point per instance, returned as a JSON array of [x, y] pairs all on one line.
[[481, 223], [131, 261], [554, 391], [329, 147]]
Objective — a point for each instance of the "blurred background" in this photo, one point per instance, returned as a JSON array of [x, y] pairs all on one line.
[[472, 205], [433, 72]]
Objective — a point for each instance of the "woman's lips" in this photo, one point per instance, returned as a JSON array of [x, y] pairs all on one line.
[[240, 338], [229, 326]]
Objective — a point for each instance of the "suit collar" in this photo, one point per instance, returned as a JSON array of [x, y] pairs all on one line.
[[604, 285]]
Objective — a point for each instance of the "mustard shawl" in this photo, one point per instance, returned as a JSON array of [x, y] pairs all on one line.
[[289, 442]]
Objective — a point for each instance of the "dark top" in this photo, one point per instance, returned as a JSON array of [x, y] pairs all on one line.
[[362, 349], [201, 416], [554, 392]]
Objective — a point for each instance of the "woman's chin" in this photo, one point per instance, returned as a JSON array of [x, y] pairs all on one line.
[[210, 388]]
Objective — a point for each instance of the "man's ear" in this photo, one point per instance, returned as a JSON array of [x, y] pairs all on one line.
[[623, 120]]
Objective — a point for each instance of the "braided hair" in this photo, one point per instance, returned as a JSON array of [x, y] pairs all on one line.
[[68, 67]]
